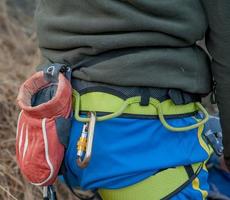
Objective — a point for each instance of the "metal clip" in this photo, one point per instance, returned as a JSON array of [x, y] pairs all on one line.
[[215, 140], [85, 143]]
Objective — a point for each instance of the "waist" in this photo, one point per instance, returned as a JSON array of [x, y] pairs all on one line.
[[104, 99], [186, 69]]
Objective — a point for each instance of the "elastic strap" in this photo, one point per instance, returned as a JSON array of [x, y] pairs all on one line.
[[187, 128]]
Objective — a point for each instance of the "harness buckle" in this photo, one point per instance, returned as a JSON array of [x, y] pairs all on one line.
[[85, 143], [215, 140]]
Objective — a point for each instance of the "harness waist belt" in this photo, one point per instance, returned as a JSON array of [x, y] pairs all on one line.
[[108, 103], [116, 106], [177, 96]]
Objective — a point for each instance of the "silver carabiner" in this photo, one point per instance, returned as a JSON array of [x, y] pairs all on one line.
[[85, 143]]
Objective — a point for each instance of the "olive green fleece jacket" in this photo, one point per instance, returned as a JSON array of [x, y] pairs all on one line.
[[142, 43]]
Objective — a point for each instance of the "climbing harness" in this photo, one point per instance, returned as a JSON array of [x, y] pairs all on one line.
[[46, 103], [91, 103], [132, 106]]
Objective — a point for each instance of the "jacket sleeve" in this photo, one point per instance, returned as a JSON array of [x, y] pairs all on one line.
[[218, 44]]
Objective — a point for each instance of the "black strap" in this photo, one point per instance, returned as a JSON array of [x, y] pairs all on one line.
[[63, 126], [189, 170], [180, 97], [145, 96], [191, 176]]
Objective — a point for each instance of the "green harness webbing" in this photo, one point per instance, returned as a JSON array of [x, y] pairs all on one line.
[[162, 185], [104, 102]]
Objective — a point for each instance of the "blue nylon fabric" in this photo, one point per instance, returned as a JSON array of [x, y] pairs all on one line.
[[127, 150], [189, 193], [221, 181], [218, 179]]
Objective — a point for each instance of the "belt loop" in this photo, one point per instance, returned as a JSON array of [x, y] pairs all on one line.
[[145, 96], [176, 96], [180, 97]]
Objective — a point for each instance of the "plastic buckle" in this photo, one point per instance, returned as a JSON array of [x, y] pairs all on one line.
[[215, 140]]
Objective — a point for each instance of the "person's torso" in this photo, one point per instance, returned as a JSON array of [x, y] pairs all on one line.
[[129, 42]]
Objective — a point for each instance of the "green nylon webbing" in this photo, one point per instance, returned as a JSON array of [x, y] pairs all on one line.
[[187, 128], [158, 186], [158, 108]]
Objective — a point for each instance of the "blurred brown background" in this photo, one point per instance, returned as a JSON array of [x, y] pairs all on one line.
[[19, 56]]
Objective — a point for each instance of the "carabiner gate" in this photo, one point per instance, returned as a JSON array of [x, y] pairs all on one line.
[[85, 143]]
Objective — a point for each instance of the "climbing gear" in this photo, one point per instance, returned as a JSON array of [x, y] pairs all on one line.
[[215, 140], [43, 124], [178, 97], [96, 102], [213, 135], [118, 146], [161, 183], [111, 105], [84, 145], [99, 106]]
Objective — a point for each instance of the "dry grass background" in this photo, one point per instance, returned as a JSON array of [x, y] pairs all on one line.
[[18, 57]]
